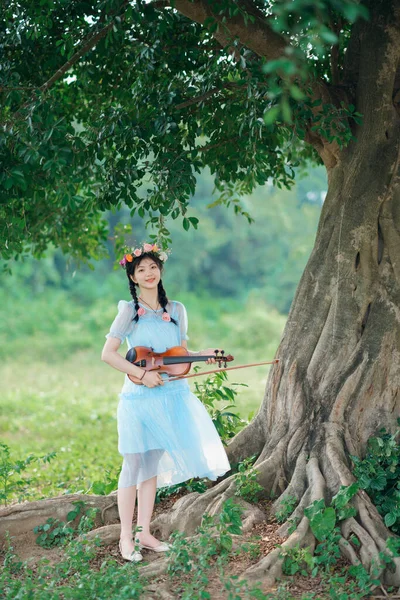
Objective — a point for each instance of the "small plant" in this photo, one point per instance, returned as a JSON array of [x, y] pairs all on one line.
[[53, 533], [105, 487], [247, 486], [192, 485], [251, 547], [297, 560], [213, 540], [379, 475], [11, 481], [56, 533], [286, 507], [214, 389]]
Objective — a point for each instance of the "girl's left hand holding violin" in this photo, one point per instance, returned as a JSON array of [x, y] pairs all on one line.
[[208, 351]]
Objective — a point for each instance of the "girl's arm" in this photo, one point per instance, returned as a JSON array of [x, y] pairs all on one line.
[[110, 356]]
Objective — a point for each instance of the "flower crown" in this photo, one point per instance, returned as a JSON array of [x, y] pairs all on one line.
[[136, 252]]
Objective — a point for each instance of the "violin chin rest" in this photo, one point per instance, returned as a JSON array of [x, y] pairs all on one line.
[[131, 355]]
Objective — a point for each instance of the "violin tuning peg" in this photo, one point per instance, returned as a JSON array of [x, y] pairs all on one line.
[[216, 351], [222, 352]]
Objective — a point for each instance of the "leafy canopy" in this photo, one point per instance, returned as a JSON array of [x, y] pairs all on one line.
[[110, 102]]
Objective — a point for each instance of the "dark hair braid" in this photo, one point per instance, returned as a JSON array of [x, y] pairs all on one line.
[[163, 300], [132, 289]]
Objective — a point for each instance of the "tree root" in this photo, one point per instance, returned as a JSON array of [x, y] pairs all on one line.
[[246, 442], [20, 519], [187, 512], [269, 569], [107, 534]]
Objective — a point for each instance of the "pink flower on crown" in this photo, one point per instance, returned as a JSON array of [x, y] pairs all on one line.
[[137, 252], [122, 262], [147, 247], [141, 312], [166, 317]]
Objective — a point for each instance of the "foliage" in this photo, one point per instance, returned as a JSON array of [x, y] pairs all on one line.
[[70, 578], [105, 486], [247, 486], [11, 481], [286, 507], [223, 257], [378, 473], [297, 560], [213, 540], [191, 485], [56, 533], [215, 389], [53, 533], [74, 144]]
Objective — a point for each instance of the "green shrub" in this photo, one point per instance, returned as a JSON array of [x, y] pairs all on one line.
[[215, 389], [378, 473], [247, 486]]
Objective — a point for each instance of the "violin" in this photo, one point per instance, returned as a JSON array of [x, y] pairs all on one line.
[[175, 361]]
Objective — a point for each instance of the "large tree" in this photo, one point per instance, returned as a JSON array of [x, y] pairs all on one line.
[[111, 102]]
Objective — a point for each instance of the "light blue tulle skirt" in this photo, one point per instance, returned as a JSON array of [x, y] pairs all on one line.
[[166, 432]]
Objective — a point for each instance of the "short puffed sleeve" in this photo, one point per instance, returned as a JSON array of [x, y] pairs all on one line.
[[181, 315], [123, 322]]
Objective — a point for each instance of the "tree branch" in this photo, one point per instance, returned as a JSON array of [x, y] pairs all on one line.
[[257, 36], [88, 45]]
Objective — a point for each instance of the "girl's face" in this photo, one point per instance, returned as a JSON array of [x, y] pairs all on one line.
[[147, 274]]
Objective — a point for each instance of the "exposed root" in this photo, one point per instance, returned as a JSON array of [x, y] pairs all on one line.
[[154, 569], [296, 515], [373, 524], [107, 535], [369, 552], [297, 484], [20, 519], [187, 512], [269, 468], [246, 442], [348, 551], [161, 591], [269, 568]]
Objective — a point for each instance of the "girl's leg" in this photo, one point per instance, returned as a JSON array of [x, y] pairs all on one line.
[[126, 507], [146, 496]]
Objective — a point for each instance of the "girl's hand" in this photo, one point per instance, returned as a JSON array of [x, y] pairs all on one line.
[[152, 379], [211, 351]]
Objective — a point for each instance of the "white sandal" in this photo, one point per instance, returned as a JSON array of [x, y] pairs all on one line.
[[134, 556], [162, 547]]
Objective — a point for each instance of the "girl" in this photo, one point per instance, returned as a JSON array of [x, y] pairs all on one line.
[[165, 434]]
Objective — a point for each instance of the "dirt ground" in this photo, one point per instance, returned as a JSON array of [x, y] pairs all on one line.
[[264, 535]]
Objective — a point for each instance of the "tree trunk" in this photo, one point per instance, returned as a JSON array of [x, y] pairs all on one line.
[[338, 378]]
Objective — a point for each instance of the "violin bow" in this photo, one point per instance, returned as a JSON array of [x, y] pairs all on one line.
[[269, 362]]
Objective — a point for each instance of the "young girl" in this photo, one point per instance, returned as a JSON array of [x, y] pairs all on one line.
[[165, 434]]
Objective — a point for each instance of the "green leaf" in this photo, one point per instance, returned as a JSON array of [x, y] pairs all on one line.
[[271, 115], [186, 224], [390, 519], [345, 494], [322, 520]]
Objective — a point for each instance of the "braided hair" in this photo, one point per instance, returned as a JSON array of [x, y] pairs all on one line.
[[130, 270]]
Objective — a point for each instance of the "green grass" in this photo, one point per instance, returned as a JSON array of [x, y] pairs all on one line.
[[57, 395]]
